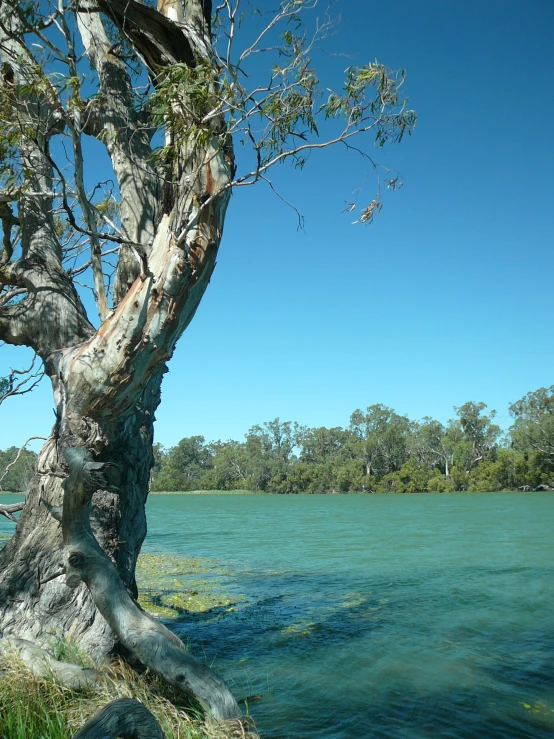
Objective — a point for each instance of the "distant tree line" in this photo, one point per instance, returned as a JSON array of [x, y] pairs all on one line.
[[380, 451]]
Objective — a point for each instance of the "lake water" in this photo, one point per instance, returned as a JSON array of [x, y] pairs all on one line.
[[412, 617], [354, 617]]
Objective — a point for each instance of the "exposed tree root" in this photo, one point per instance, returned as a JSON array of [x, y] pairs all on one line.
[[42, 664], [84, 561]]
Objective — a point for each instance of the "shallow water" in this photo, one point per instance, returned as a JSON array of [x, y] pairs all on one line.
[[398, 617], [377, 616]]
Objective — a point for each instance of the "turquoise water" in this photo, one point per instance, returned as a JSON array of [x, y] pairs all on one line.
[[378, 616], [397, 617]]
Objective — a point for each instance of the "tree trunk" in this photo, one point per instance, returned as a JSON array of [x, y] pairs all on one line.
[[32, 605]]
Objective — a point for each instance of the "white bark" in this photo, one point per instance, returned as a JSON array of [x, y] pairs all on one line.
[[106, 382]]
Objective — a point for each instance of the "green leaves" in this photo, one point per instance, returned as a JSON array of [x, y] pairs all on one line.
[[372, 94]]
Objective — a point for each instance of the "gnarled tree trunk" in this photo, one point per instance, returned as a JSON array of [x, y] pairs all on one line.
[[34, 606], [106, 382]]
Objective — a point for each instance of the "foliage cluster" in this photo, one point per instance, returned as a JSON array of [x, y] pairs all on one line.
[[380, 451]]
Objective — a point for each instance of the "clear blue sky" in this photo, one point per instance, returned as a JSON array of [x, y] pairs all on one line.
[[445, 298]]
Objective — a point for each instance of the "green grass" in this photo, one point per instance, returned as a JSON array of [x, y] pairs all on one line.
[[42, 709]]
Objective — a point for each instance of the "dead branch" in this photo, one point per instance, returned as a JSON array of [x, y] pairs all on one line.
[[11, 464], [20, 382], [9, 509]]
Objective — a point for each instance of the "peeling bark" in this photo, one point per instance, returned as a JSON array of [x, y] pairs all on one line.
[[106, 382]]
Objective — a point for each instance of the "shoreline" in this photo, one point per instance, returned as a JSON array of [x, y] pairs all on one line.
[[330, 492]]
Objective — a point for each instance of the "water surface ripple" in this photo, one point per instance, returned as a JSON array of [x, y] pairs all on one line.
[[377, 616], [393, 617]]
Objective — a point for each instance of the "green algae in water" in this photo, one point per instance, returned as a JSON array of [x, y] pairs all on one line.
[[171, 586]]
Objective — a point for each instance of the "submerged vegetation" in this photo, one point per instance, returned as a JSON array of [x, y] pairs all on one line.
[[380, 451], [170, 587]]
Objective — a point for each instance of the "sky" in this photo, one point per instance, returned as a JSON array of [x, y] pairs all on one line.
[[444, 298]]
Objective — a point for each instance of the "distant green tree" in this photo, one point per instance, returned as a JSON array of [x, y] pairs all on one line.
[[501, 473], [479, 434], [381, 451], [434, 444], [327, 461], [230, 467], [439, 483], [532, 434], [272, 451], [182, 466], [410, 478], [20, 472], [321, 444], [380, 439], [160, 456]]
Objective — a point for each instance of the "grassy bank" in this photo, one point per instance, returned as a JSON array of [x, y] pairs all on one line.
[[170, 586], [41, 708]]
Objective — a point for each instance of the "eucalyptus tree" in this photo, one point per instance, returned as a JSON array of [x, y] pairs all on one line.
[[532, 432], [479, 435], [434, 445], [163, 93], [381, 438]]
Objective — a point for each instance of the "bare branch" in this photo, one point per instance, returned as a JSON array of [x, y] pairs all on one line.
[[20, 382], [9, 509], [11, 464], [76, 130], [10, 294], [127, 139]]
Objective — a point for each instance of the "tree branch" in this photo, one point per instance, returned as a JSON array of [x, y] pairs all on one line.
[[127, 140], [43, 664], [11, 464], [39, 268], [10, 386], [8, 510], [159, 40]]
